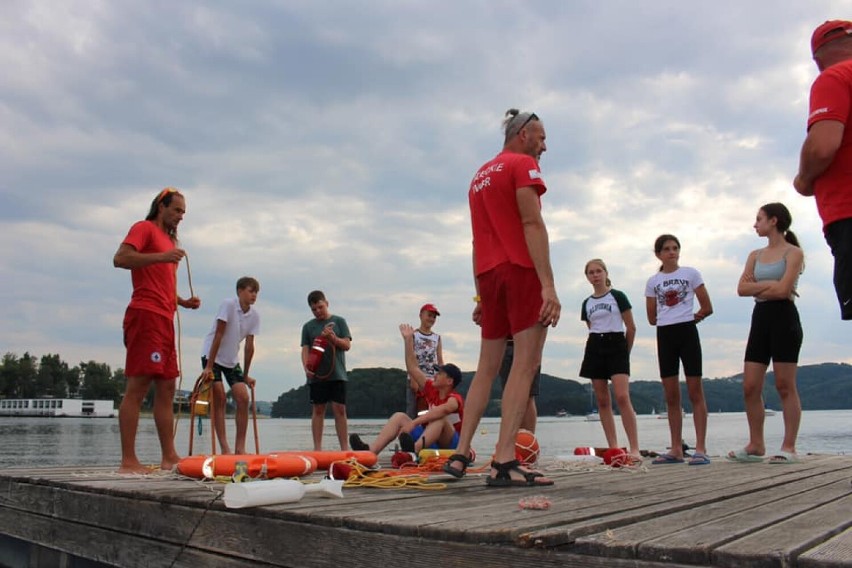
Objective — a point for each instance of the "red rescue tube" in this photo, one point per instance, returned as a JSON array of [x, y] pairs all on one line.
[[276, 465], [325, 458]]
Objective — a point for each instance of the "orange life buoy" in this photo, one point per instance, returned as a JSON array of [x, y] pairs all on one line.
[[271, 465], [325, 458]]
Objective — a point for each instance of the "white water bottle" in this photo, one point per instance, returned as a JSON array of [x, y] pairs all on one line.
[[275, 491]]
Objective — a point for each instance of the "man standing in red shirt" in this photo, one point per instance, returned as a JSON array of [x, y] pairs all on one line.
[[151, 254], [825, 165], [515, 292]]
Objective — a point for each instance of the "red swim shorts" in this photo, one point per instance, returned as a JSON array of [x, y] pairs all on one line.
[[150, 341], [510, 300]]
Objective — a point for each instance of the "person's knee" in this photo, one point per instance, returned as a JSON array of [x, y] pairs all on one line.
[[220, 396], [241, 395], [785, 390], [696, 397], [672, 396], [164, 394], [338, 409], [622, 400], [134, 397], [752, 391], [318, 410]]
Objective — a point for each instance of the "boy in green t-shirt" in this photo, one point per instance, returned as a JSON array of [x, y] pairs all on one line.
[[325, 339]]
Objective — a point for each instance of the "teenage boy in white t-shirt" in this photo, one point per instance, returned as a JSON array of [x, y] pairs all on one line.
[[236, 321]]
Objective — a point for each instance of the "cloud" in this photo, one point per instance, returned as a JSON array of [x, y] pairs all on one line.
[[330, 146]]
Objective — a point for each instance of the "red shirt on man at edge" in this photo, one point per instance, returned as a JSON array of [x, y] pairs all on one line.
[[498, 234], [155, 285], [831, 99]]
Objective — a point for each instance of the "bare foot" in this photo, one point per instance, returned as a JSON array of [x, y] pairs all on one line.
[[133, 467], [169, 462]]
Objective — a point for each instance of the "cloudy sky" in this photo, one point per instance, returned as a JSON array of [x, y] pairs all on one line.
[[330, 145]]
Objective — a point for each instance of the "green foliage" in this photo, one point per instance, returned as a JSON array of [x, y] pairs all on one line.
[[98, 382], [379, 392], [370, 393], [28, 377], [52, 377]]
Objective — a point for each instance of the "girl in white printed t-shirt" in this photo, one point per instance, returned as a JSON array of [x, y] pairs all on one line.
[[669, 296]]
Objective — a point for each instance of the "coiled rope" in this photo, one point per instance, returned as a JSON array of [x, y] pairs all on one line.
[[358, 475], [179, 348]]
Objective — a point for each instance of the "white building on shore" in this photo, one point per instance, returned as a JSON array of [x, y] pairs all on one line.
[[59, 407]]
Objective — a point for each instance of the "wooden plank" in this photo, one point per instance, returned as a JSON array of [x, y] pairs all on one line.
[[780, 544], [833, 553], [644, 508], [768, 507], [132, 515], [485, 519], [259, 541], [690, 536], [269, 539], [100, 545], [383, 526]]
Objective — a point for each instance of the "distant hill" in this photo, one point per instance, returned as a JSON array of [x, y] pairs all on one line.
[[379, 392]]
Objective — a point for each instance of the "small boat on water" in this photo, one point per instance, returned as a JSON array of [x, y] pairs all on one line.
[[665, 415], [768, 411], [562, 413], [593, 415]]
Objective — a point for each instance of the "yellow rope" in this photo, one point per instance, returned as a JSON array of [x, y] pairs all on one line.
[[360, 476], [435, 464]]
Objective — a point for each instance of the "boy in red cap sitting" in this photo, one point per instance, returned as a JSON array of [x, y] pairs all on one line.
[[439, 425]]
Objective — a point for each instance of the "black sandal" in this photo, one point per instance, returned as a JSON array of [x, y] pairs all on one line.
[[504, 477], [455, 472]]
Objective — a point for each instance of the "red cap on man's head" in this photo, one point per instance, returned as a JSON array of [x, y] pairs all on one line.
[[829, 31], [430, 308]]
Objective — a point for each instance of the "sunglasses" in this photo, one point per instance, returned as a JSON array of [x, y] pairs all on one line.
[[165, 192], [532, 116]]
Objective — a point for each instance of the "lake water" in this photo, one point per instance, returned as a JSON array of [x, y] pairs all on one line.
[[44, 442]]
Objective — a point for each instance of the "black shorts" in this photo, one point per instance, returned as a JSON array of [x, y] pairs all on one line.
[[321, 392], [606, 355], [776, 333], [679, 343], [233, 376], [838, 235], [506, 366]]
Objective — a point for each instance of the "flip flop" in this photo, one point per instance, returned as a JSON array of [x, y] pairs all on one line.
[[742, 456], [664, 459], [699, 459], [783, 458]]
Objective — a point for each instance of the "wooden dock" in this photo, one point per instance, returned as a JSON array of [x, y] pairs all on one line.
[[723, 514]]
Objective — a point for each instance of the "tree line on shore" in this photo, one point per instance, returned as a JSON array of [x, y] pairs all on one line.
[[29, 376], [379, 392]]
